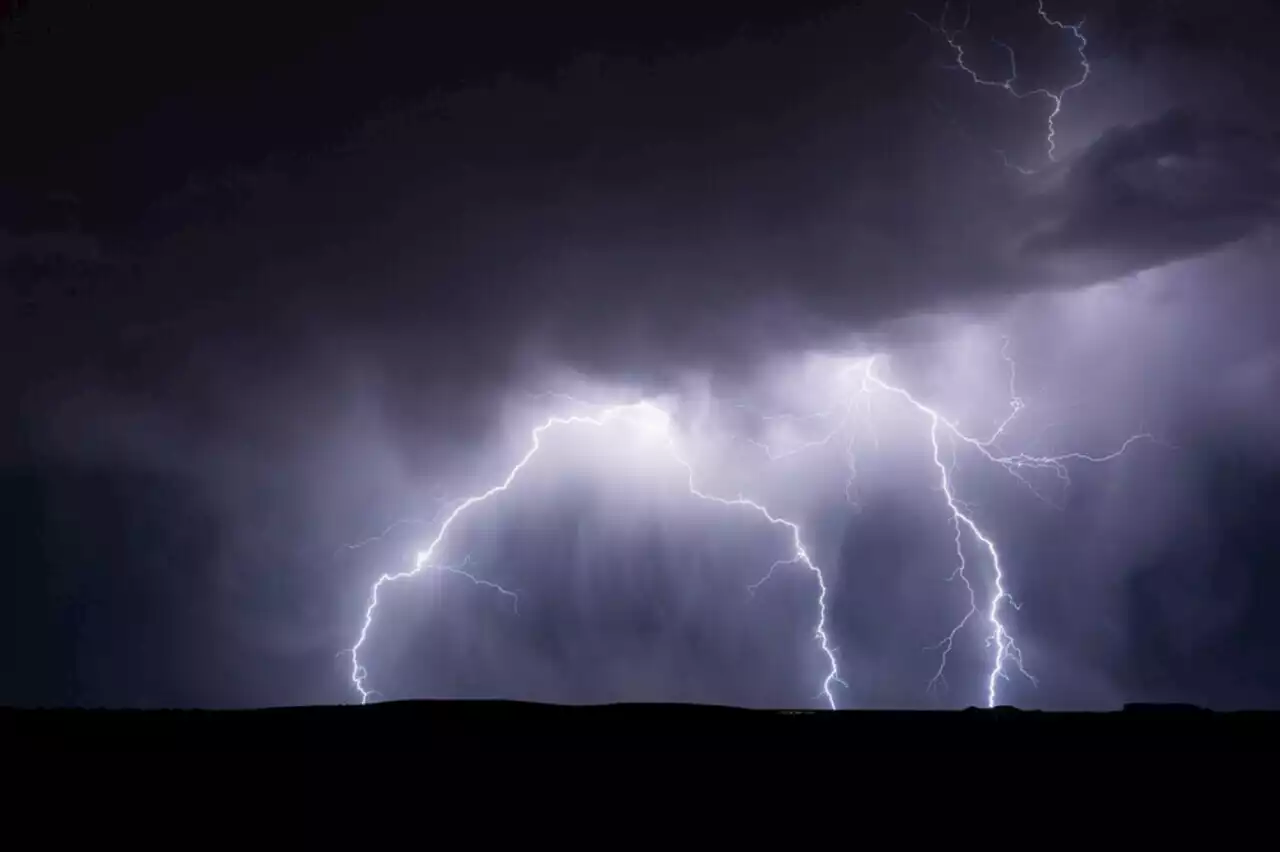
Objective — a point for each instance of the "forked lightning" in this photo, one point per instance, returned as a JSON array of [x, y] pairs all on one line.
[[1006, 654], [652, 418], [1010, 83]]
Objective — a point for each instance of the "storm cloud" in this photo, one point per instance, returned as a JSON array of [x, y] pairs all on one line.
[[318, 337], [1149, 194], [780, 188]]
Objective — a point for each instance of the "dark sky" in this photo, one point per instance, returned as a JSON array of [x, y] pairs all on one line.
[[275, 279]]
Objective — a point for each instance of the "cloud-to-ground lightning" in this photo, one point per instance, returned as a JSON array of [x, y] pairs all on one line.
[[651, 417], [843, 423], [1010, 83], [1006, 653]]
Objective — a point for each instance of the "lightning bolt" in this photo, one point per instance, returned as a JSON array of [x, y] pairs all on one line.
[[645, 414], [461, 571], [1007, 655], [1009, 83], [1006, 652]]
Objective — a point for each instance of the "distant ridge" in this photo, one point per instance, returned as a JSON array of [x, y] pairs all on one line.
[[479, 725]]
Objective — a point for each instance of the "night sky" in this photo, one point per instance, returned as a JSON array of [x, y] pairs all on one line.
[[282, 286]]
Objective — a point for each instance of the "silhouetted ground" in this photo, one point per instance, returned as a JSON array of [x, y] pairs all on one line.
[[485, 724]]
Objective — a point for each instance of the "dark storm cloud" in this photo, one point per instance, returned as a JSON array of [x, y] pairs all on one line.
[[627, 216], [1149, 194]]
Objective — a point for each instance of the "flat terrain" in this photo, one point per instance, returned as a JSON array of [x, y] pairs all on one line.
[[460, 725]]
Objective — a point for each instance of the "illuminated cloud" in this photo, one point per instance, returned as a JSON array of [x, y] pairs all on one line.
[[380, 331]]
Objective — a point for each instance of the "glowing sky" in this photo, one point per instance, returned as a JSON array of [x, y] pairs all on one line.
[[260, 361]]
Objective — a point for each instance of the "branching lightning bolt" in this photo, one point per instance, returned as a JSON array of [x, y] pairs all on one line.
[[1006, 651], [645, 413], [1009, 83], [1006, 654], [461, 571], [969, 534]]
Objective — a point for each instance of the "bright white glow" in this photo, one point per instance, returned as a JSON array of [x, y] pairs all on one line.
[[854, 382], [653, 422]]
